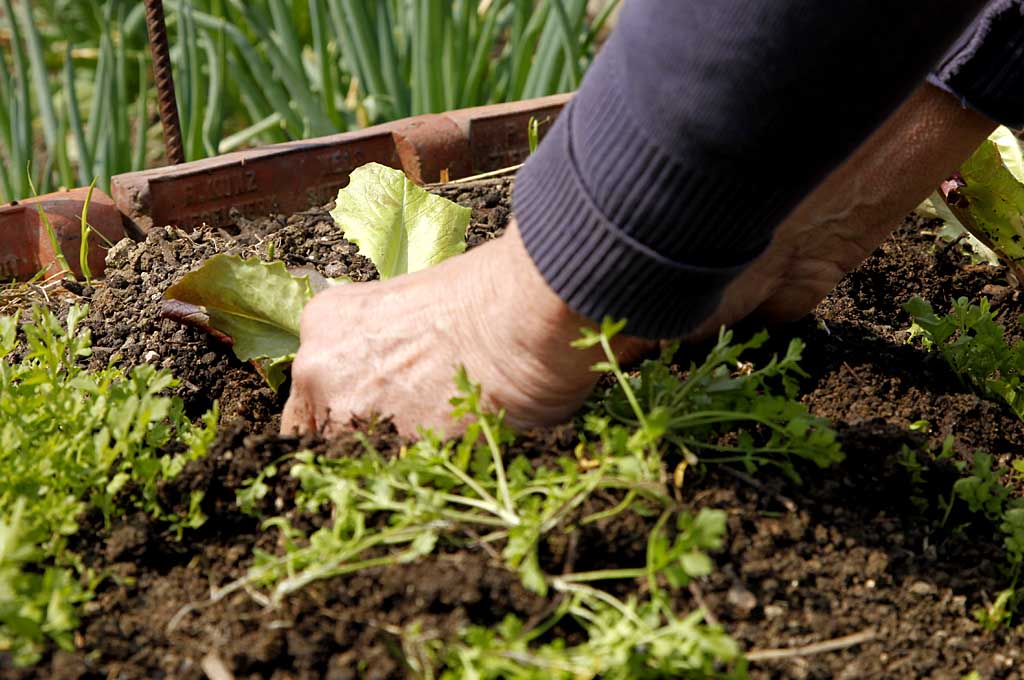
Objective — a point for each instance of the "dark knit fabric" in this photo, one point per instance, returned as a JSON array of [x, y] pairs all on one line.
[[699, 127], [985, 68]]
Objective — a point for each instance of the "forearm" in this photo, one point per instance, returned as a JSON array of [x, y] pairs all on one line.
[[698, 129], [858, 205]]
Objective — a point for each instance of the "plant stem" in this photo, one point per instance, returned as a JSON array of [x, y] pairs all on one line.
[[499, 467]]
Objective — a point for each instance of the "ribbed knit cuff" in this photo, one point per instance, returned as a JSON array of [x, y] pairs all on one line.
[[620, 227], [985, 68]]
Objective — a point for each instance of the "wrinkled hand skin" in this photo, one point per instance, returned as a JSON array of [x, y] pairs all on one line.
[[838, 225], [392, 347]]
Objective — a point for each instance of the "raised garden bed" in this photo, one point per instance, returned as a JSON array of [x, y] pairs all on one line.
[[859, 556]]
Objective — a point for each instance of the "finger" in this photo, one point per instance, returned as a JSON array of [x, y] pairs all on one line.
[[329, 424], [297, 417]]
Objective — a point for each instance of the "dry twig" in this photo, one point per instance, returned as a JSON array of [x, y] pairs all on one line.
[[823, 647]]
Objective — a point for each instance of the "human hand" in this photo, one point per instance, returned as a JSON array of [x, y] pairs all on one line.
[[392, 347], [838, 225]]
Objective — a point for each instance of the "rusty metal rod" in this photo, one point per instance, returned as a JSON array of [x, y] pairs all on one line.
[[158, 45]]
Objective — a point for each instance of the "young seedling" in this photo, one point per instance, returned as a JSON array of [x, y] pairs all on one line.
[[73, 440], [58, 252], [87, 231], [717, 397], [385, 511], [255, 306], [984, 493], [985, 197], [972, 343]]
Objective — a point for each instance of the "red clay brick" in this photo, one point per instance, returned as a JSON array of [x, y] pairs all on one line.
[[284, 178], [497, 134], [25, 247], [280, 178]]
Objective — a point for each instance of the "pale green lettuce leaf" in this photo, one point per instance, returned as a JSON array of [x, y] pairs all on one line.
[[253, 305], [256, 306], [990, 204], [1009, 152], [399, 226]]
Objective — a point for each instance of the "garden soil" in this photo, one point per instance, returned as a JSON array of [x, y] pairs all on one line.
[[857, 557]]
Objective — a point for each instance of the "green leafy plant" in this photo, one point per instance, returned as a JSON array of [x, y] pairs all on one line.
[[256, 306], [387, 510], [984, 201], [972, 342], [724, 411], [436, 488], [398, 225], [70, 440], [982, 490], [999, 613], [985, 493], [624, 639]]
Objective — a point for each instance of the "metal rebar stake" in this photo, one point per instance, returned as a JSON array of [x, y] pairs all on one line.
[[164, 77]]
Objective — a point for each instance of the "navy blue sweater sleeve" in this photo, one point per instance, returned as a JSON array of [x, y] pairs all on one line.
[[699, 127], [985, 67]]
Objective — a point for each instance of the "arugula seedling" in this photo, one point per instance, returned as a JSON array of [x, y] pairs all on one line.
[[70, 440], [717, 398], [638, 637], [972, 343], [984, 493], [999, 613], [389, 510]]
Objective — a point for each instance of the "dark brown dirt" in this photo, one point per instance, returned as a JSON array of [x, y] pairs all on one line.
[[860, 548]]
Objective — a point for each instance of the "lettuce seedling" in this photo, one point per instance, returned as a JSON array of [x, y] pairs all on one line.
[[399, 226], [255, 306], [986, 198]]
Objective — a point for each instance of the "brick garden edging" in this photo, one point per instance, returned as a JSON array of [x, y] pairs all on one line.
[[280, 178], [294, 176], [25, 247]]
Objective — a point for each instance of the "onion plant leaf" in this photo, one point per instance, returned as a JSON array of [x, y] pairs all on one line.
[[399, 226], [255, 306]]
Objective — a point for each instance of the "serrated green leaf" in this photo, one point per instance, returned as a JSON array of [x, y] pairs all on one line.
[[253, 304], [399, 226]]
